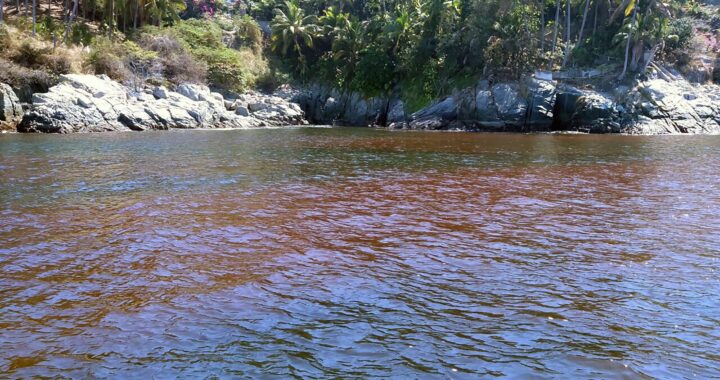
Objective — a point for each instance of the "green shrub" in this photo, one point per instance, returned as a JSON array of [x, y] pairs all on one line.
[[48, 28], [374, 73], [26, 81], [248, 33], [199, 34], [120, 60], [30, 55], [80, 34], [179, 65], [680, 33], [201, 42], [227, 69]]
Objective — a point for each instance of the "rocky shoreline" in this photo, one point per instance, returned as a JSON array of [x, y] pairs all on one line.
[[665, 103], [87, 103]]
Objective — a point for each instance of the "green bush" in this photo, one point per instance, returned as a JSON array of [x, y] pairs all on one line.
[[80, 34], [680, 33], [374, 73], [198, 34], [178, 64], [48, 28], [29, 55], [248, 33], [119, 60], [26, 81], [228, 69]]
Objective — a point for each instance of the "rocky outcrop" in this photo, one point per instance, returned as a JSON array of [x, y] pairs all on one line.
[[664, 103], [676, 107], [87, 103], [326, 105], [11, 111], [520, 106], [271, 110]]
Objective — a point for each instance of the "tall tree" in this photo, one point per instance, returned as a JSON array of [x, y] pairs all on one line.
[[632, 7], [582, 26], [568, 45], [556, 25], [34, 18]]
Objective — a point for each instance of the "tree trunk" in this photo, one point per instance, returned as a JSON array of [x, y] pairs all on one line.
[[556, 25], [567, 38], [542, 27], [595, 18], [25, 8], [629, 41], [34, 17], [652, 56], [71, 19], [2, 7], [135, 16], [584, 19]]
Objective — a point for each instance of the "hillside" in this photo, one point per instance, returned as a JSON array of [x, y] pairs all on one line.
[[360, 55]]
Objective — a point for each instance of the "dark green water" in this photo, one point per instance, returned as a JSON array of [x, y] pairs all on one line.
[[354, 253]]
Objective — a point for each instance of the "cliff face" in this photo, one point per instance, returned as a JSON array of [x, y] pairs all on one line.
[[663, 104]]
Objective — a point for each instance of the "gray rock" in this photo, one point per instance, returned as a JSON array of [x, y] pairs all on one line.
[[11, 111], [485, 108], [160, 92], [192, 91], [396, 112], [592, 107], [435, 116], [86, 103], [242, 111], [541, 103], [510, 104], [682, 107]]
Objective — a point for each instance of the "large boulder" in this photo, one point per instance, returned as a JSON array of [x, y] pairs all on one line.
[[595, 113], [511, 105], [10, 109], [396, 112], [87, 103], [436, 116], [541, 103]]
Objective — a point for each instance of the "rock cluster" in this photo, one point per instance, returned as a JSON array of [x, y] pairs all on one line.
[[658, 105], [87, 103], [662, 104]]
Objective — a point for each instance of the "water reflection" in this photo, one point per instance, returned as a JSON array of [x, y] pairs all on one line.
[[359, 253]]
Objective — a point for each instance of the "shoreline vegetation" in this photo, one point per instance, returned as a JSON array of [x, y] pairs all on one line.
[[619, 66]]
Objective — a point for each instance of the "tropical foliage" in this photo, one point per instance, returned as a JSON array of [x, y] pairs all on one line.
[[422, 48]]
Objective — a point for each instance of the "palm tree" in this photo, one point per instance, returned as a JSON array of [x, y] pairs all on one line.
[[346, 48], [293, 31]]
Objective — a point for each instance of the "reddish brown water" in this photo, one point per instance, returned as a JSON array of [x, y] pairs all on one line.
[[359, 253]]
